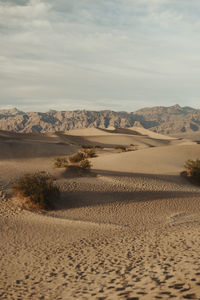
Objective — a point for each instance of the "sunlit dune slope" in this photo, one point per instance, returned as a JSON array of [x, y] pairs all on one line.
[[161, 160], [122, 136]]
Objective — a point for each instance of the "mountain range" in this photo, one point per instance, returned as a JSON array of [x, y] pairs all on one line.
[[166, 120]]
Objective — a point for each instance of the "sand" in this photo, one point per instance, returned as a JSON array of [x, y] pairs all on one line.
[[128, 230]]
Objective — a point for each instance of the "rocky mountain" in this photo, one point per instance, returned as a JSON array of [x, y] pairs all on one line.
[[166, 120]]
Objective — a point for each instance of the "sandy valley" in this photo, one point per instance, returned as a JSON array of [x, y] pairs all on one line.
[[129, 229]]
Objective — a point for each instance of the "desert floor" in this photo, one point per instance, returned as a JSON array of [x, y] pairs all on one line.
[[129, 229]]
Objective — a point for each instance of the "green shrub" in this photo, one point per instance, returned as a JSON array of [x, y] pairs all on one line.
[[85, 164], [38, 189], [61, 162], [76, 158], [193, 168]]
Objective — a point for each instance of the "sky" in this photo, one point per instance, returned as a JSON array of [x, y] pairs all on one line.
[[99, 54]]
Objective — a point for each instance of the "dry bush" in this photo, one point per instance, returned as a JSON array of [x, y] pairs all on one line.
[[80, 162], [38, 189], [130, 149], [81, 155], [61, 162], [89, 153], [193, 169], [120, 147], [85, 164], [76, 158], [98, 147]]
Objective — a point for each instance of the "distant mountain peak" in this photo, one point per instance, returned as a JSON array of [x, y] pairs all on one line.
[[166, 120], [176, 106], [13, 110]]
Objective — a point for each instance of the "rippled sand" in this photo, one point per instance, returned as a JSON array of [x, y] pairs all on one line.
[[128, 230]]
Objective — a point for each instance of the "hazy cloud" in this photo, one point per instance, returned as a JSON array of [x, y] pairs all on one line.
[[116, 54]]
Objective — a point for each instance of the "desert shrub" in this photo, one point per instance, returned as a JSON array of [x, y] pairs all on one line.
[[120, 147], [76, 158], [130, 149], [61, 162], [81, 155], [193, 168], [38, 189], [89, 153], [85, 164], [98, 147]]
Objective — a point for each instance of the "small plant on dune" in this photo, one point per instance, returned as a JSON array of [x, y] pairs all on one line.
[[98, 147], [81, 155], [89, 153], [61, 162], [193, 169], [130, 149], [120, 147], [37, 189], [85, 164], [76, 158], [80, 162]]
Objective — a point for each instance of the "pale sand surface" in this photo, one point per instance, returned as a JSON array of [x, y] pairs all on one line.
[[130, 232]]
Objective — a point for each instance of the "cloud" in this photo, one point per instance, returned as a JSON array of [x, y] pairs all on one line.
[[99, 53], [33, 10]]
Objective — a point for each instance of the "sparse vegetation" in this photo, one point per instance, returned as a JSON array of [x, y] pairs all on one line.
[[37, 189], [89, 153], [120, 147], [130, 149], [80, 159], [61, 162], [193, 169], [81, 155], [92, 147], [85, 164], [125, 149], [76, 158]]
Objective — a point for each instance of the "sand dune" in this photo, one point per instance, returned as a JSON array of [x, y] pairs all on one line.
[[151, 134], [158, 160], [130, 232], [87, 132], [141, 138]]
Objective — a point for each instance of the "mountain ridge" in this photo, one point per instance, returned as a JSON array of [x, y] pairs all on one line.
[[166, 120]]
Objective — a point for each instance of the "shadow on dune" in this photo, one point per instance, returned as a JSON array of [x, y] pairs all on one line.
[[122, 131], [77, 199], [176, 179], [85, 199], [33, 149]]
